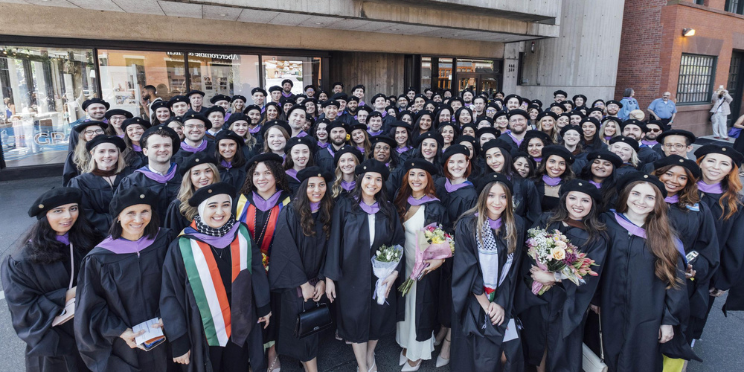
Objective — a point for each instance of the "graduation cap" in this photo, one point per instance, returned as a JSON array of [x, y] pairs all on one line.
[[729, 151], [176, 99], [635, 176], [219, 97], [130, 196], [275, 88], [193, 115], [135, 120], [238, 97], [91, 101], [209, 191], [676, 132], [295, 141], [125, 113], [454, 150], [430, 135], [493, 177], [229, 135], [627, 140], [557, 150], [97, 140], [516, 112], [53, 199], [537, 134], [384, 139], [560, 92], [543, 114], [194, 91], [612, 101], [372, 166], [258, 90], [291, 83], [346, 149], [583, 187], [213, 109], [418, 163], [260, 158], [605, 155], [197, 158], [690, 165], [314, 171]]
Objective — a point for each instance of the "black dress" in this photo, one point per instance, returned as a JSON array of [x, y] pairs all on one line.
[[166, 192], [456, 202], [359, 317], [248, 296], [116, 292], [97, 194], [696, 229], [296, 259], [35, 293], [635, 303], [553, 320], [476, 343]]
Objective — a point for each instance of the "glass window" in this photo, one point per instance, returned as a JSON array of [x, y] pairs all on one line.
[[299, 70], [735, 6], [43, 90], [425, 73], [475, 65], [695, 78], [228, 74], [445, 73], [125, 73]]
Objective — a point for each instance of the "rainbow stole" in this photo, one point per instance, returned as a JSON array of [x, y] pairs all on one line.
[[207, 285], [247, 215]]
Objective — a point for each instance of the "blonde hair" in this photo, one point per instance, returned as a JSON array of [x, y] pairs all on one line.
[[266, 148], [602, 131], [121, 164], [336, 188], [186, 191], [81, 156], [554, 133]]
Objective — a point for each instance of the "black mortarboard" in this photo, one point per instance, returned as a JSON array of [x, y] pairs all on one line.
[[97, 140], [53, 199], [209, 191]]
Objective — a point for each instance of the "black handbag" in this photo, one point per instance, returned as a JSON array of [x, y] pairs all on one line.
[[312, 321]]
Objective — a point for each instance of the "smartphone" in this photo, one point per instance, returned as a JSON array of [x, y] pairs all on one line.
[[691, 256]]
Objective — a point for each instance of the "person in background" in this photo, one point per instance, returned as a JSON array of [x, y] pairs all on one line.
[[721, 110], [628, 104], [196, 101], [40, 276], [663, 109]]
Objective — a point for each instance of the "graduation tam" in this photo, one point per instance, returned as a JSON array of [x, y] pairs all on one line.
[[605, 155], [676, 132], [594, 109], [417, 163], [197, 158], [628, 140], [329, 102], [561, 92], [238, 97], [314, 171], [80, 128], [135, 120], [295, 141], [337, 124], [579, 96], [471, 140], [430, 135], [287, 81], [680, 161], [171, 133], [493, 177], [176, 99], [258, 90], [53, 199], [537, 102], [374, 114], [126, 113], [285, 100], [453, 150], [557, 150], [358, 126], [209, 191], [516, 112], [496, 143], [594, 104], [640, 176], [729, 151], [214, 109], [97, 140], [260, 158], [365, 108], [372, 165], [358, 87], [537, 134], [401, 124], [193, 115], [347, 149], [194, 91], [543, 114], [557, 104], [130, 196], [499, 114], [611, 102], [376, 96], [275, 88], [571, 127], [384, 139], [354, 98], [237, 117], [91, 101], [296, 107], [635, 122], [219, 97], [342, 96], [228, 135], [576, 112], [591, 120], [581, 186], [281, 123], [507, 98]]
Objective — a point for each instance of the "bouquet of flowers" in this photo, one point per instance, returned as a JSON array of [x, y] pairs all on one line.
[[383, 264], [432, 244], [554, 252]]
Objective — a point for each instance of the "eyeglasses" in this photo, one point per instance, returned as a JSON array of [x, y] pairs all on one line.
[[97, 131], [676, 146], [654, 130], [195, 126]]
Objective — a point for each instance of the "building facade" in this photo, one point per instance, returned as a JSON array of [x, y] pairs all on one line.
[[660, 53]]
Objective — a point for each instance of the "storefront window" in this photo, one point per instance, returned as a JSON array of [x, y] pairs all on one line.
[[425, 73], [43, 90], [228, 74], [299, 70], [445, 73]]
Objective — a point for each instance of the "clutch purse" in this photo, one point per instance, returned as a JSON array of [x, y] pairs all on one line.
[[67, 314], [312, 321]]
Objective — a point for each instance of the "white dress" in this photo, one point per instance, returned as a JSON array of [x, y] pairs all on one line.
[[406, 330]]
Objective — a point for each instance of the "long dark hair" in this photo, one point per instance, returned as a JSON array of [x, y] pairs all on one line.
[[608, 190], [301, 205], [151, 230], [416, 154], [238, 160], [688, 196], [276, 170], [41, 245], [401, 200], [566, 176], [507, 169], [592, 225], [386, 208]]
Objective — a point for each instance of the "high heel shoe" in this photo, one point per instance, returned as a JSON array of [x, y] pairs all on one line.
[[402, 359], [409, 368], [441, 362]]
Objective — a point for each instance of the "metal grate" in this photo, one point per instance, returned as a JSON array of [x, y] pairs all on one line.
[[695, 78]]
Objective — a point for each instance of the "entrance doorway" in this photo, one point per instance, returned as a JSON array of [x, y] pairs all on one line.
[[736, 85]]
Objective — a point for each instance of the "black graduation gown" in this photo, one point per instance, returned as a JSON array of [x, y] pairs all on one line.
[[324, 159], [174, 220], [696, 229], [428, 289], [97, 195], [508, 139], [547, 203], [35, 293], [476, 343], [624, 169], [348, 264], [182, 319], [166, 192], [554, 319], [526, 200], [69, 170], [116, 292], [296, 259], [136, 159], [635, 303], [647, 154], [730, 232], [235, 176], [293, 184], [182, 154], [456, 202]]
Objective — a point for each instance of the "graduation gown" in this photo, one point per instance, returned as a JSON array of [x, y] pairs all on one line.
[[136, 159], [296, 259], [97, 195], [235, 176], [69, 170], [116, 292], [174, 220], [293, 184], [508, 139], [324, 158], [547, 203], [456, 202], [182, 154], [647, 154], [428, 289], [730, 233], [623, 170], [35, 293], [348, 264], [166, 192], [476, 343], [553, 320], [635, 303], [695, 227], [249, 292]]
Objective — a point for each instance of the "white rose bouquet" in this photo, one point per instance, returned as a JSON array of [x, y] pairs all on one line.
[[384, 263]]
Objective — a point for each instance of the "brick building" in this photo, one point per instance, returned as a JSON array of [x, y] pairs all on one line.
[[656, 57]]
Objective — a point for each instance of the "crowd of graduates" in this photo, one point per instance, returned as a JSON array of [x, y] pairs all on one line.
[[224, 224]]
